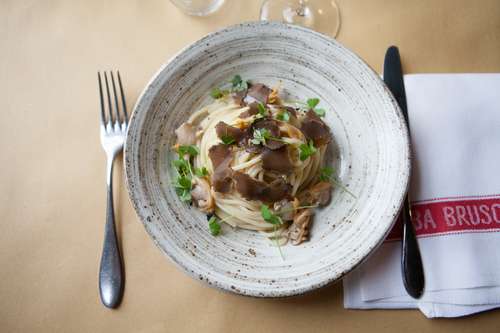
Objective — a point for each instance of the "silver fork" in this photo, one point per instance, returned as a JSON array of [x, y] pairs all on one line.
[[113, 130]]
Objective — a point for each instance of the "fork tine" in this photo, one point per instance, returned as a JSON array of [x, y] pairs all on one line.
[[124, 105], [101, 97], [110, 108], [117, 107]]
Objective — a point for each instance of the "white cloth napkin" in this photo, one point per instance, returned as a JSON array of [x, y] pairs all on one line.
[[455, 193]]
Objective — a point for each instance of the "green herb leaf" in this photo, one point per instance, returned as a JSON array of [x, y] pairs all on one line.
[[216, 93], [183, 188], [183, 185], [184, 182], [262, 109], [275, 220], [306, 150], [214, 226], [227, 139], [325, 174], [265, 212], [243, 86], [268, 216], [260, 136], [201, 172], [238, 84], [181, 165], [283, 116], [191, 150], [236, 80], [275, 229], [185, 195], [320, 112], [312, 102]]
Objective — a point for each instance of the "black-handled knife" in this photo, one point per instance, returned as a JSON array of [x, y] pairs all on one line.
[[411, 261]]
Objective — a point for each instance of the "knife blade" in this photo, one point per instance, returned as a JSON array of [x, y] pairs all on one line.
[[411, 260]]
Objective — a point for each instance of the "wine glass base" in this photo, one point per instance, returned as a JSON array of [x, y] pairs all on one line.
[[320, 15]]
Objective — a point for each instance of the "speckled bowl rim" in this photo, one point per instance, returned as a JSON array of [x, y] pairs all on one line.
[[333, 278]]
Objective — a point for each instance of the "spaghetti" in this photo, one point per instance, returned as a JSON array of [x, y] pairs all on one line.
[[257, 154]]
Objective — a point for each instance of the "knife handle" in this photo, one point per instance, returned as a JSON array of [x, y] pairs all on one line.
[[411, 261]]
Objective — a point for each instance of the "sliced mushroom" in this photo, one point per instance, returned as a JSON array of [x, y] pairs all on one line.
[[277, 160], [202, 197], [290, 110], [252, 189], [242, 136], [318, 194], [221, 156], [279, 189], [218, 153], [281, 108], [268, 123], [186, 134], [248, 187], [238, 97], [285, 209], [274, 144], [253, 148], [315, 129], [273, 127], [257, 93], [322, 193], [294, 120], [253, 110], [222, 180], [224, 130], [299, 229], [277, 110]]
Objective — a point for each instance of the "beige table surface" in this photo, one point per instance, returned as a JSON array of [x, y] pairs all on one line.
[[52, 197]]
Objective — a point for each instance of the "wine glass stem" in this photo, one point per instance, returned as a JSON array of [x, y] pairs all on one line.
[[301, 10]]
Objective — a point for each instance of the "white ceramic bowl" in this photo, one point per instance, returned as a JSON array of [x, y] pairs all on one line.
[[370, 153]]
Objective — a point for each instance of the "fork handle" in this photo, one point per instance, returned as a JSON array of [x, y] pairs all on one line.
[[111, 277]]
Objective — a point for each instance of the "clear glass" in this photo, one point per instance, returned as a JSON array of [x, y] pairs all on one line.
[[198, 7], [320, 15]]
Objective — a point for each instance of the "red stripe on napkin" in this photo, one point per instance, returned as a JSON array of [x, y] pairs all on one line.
[[453, 215]]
